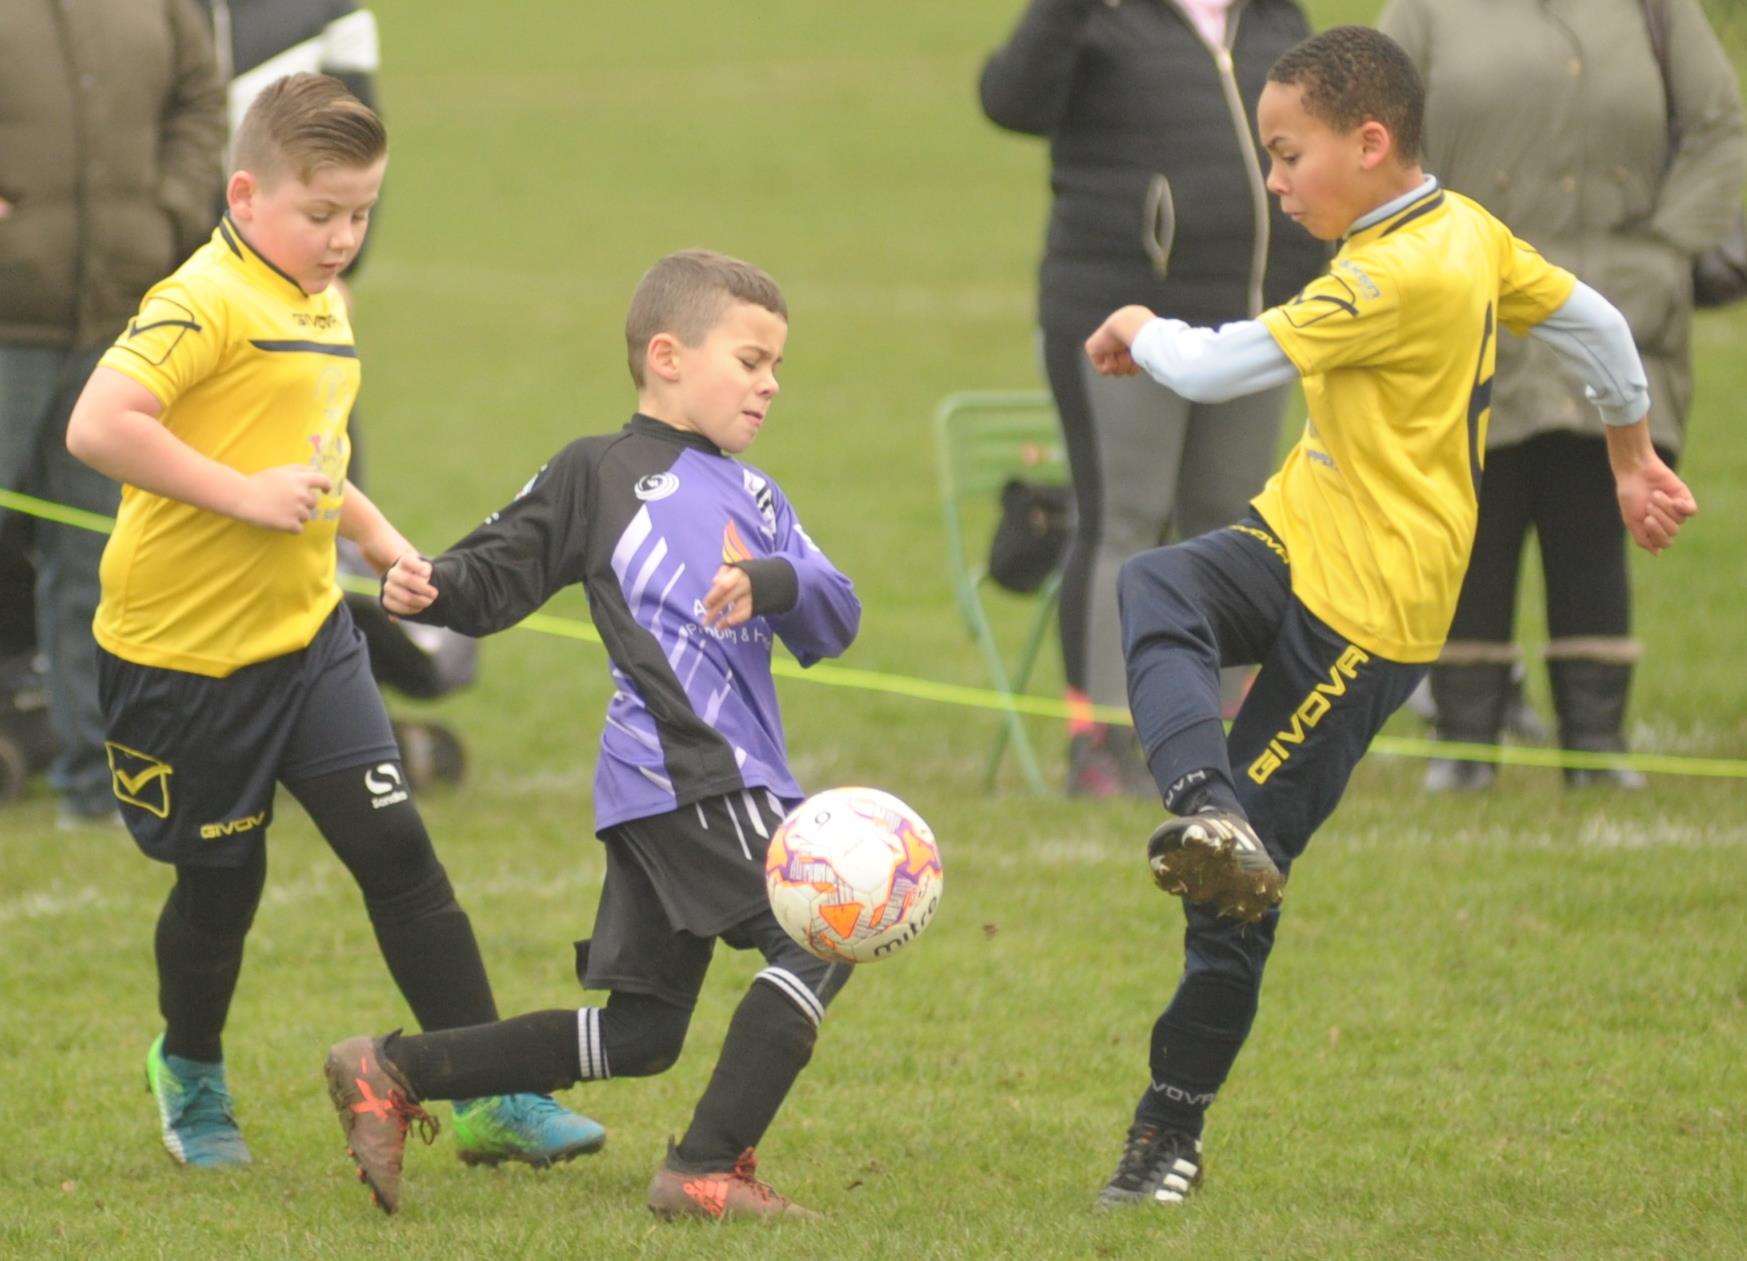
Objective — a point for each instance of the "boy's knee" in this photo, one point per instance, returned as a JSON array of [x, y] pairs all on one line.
[[1160, 577], [643, 1035], [220, 901], [427, 893]]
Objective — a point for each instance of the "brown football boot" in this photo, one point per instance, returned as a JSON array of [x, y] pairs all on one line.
[[679, 1191], [376, 1108], [1216, 857]]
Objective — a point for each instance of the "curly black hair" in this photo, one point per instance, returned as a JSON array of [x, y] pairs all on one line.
[[1353, 74]]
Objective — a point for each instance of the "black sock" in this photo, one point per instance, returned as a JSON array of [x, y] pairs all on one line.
[[634, 1035], [769, 1042], [1194, 1044], [199, 948], [536, 1052], [1193, 792]]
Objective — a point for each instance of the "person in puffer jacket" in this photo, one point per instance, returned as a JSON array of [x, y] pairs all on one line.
[[1158, 200]]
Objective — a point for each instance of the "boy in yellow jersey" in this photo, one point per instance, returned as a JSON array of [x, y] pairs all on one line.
[[226, 661], [1342, 582]]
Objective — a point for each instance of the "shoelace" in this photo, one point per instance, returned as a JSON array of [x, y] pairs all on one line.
[[537, 1108], [408, 1114], [201, 1097], [1132, 1169], [1149, 1149], [745, 1170]]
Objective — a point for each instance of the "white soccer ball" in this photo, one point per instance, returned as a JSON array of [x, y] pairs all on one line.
[[853, 874]]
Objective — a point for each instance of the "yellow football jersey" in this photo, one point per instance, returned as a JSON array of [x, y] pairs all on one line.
[[1378, 501], [254, 373]]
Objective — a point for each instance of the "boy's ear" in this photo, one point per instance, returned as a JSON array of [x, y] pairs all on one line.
[[1375, 144], [661, 359], [239, 194]]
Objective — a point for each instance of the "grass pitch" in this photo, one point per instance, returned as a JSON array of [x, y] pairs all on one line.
[[1502, 1027]]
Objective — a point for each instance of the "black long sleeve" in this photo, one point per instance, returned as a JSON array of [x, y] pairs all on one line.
[[520, 557], [1026, 83]]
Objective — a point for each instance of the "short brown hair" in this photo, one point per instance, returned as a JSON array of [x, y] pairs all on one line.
[[1353, 74], [306, 121], [686, 293]]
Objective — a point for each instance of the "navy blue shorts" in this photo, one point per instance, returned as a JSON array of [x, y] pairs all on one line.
[[1223, 599], [194, 760]]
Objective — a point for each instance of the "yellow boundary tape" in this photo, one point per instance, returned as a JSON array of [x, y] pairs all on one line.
[[855, 679]]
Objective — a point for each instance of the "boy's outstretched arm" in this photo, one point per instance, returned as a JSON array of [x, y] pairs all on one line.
[[1203, 365], [362, 522], [115, 428], [509, 566], [1589, 332]]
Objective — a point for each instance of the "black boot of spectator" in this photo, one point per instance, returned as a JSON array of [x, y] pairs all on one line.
[[1589, 696], [1471, 700]]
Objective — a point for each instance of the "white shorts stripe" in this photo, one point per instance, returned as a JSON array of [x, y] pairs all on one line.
[[752, 813], [739, 832], [796, 991]]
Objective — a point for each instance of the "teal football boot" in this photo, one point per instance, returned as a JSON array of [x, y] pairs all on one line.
[[534, 1129], [194, 1106]]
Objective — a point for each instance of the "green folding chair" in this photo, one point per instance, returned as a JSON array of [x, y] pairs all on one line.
[[983, 438]]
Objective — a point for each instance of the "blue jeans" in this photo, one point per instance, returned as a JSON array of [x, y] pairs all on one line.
[[38, 386]]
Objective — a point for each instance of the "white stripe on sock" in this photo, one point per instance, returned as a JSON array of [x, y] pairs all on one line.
[[796, 991], [591, 1053]]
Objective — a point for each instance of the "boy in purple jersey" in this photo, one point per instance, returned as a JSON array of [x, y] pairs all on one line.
[[692, 562]]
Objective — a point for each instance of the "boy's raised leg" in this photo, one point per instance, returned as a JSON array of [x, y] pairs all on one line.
[[1186, 611], [522, 1058]]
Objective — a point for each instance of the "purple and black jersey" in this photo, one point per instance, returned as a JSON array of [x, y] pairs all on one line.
[[643, 518]]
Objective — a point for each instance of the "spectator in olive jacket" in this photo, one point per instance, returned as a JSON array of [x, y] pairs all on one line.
[[1553, 116], [112, 127]]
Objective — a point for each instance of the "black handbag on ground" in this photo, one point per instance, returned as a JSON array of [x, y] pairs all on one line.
[[1032, 535], [1719, 274]]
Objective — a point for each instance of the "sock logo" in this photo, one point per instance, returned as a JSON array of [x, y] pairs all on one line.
[[1175, 792], [1188, 1098], [384, 784]]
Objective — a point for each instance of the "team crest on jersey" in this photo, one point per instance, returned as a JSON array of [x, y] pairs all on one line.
[[158, 329], [759, 488], [653, 486], [734, 547], [139, 779]]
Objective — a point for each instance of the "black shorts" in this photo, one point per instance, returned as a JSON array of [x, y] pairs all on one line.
[[675, 883], [194, 759]]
